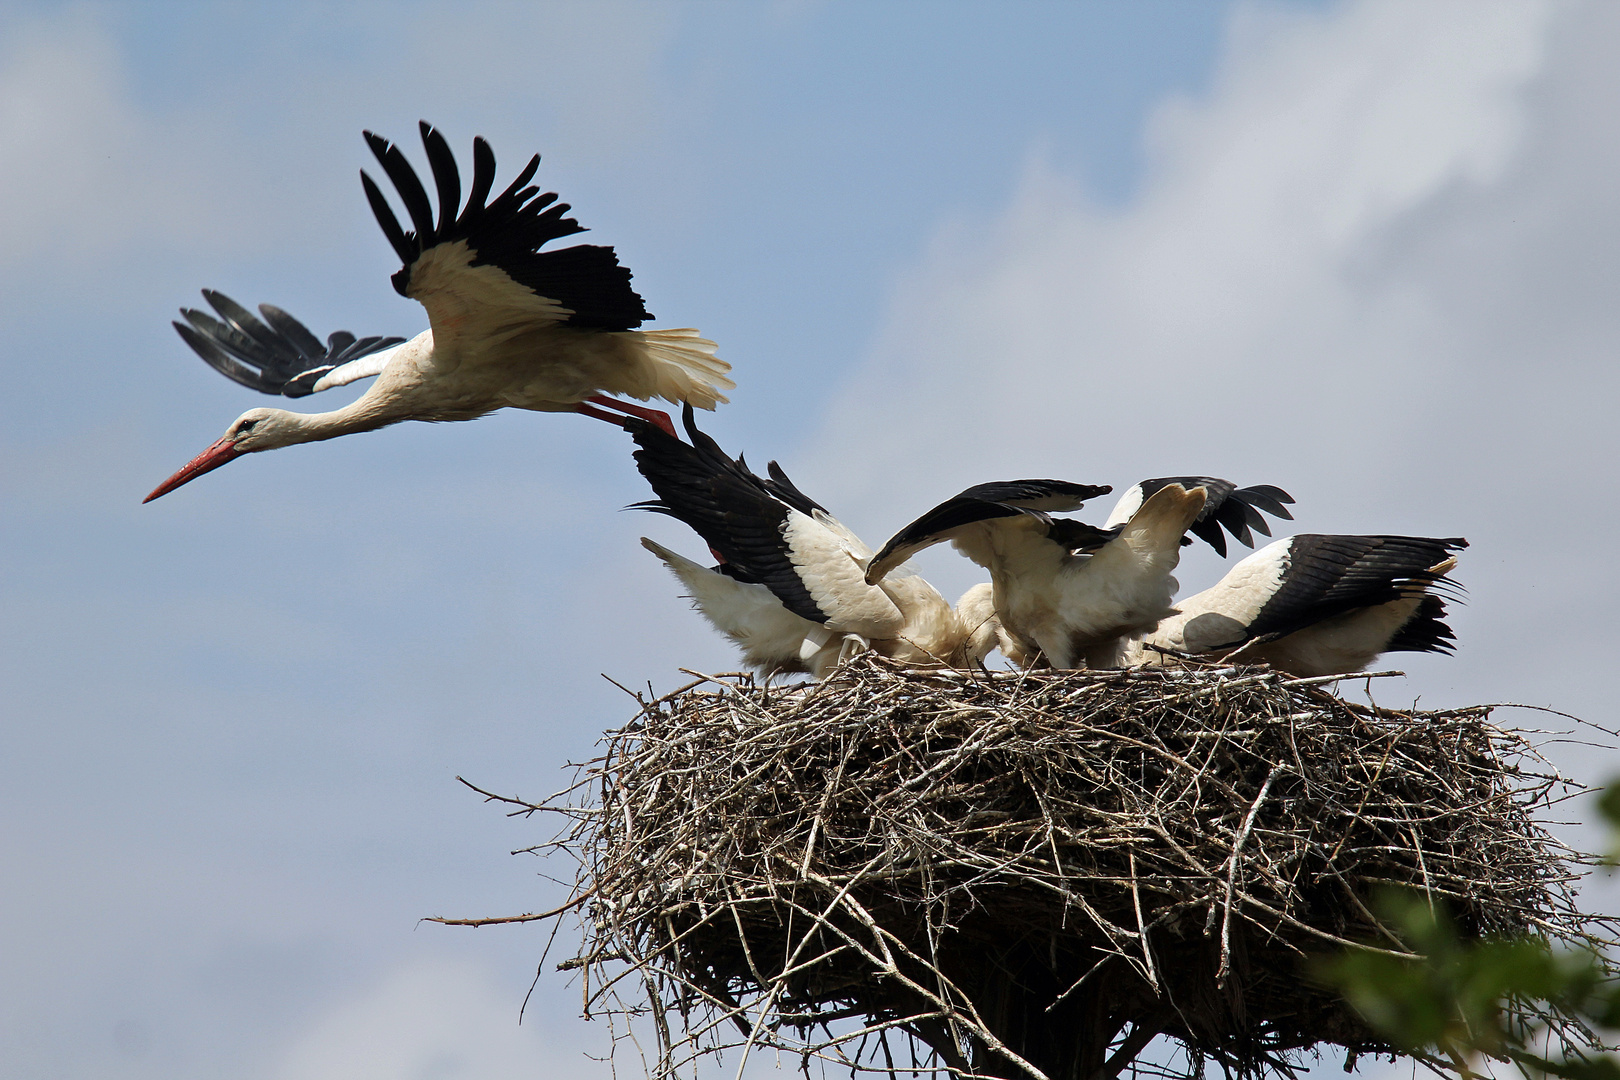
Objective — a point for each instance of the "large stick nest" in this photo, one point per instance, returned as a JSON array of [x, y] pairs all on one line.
[[1035, 874]]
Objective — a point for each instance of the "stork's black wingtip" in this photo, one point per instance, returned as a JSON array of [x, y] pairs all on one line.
[[379, 146]]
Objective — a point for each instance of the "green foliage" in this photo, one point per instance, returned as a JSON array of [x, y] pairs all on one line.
[[1461, 1000], [1609, 809]]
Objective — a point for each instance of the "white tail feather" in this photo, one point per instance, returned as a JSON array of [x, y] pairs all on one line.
[[686, 367]]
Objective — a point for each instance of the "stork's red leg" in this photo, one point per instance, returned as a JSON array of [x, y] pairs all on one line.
[[598, 414], [652, 416]]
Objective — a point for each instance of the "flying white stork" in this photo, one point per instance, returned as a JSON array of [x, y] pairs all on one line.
[[1069, 593], [1317, 604], [788, 588], [510, 324]]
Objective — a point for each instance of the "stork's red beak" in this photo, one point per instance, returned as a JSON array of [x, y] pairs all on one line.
[[207, 461]]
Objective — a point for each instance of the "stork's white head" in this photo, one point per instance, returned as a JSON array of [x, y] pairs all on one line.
[[254, 430], [985, 634], [977, 611]]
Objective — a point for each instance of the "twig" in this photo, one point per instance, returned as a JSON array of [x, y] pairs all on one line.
[[496, 920], [1232, 873], [922, 857]]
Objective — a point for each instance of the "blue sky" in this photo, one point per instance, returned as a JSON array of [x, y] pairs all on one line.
[[1364, 250]]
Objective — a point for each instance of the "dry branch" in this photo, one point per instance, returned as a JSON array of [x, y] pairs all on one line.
[[1033, 874]]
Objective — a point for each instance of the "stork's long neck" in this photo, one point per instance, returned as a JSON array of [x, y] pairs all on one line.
[[379, 406]]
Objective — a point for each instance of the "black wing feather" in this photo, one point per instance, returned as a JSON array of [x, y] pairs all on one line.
[[1237, 510], [734, 510], [786, 490], [446, 177], [1425, 631], [1018, 491], [241, 320], [483, 172], [222, 361], [276, 356], [405, 181], [1330, 575], [1078, 537], [508, 232], [404, 248], [523, 177], [296, 332], [1269, 498], [1002, 499], [951, 514]]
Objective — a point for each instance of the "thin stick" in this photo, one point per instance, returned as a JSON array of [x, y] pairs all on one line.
[[1232, 872], [497, 920]]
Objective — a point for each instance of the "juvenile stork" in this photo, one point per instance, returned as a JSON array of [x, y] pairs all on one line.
[[1317, 604], [509, 324], [977, 610], [788, 588], [1068, 593]]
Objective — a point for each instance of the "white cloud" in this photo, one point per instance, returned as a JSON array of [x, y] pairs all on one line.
[[430, 1020], [1245, 278]]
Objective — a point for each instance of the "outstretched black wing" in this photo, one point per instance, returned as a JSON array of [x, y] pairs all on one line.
[[735, 511], [987, 502], [275, 356], [1053, 496], [1329, 575], [585, 282], [1236, 509]]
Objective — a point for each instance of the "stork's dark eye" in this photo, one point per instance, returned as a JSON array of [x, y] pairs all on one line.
[[247, 426]]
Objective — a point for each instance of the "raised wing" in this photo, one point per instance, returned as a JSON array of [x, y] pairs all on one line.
[[1327, 575], [761, 536], [786, 490], [1236, 509], [1052, 496], [484, 262], [1028, 499], [277, 355], [938, 525]]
